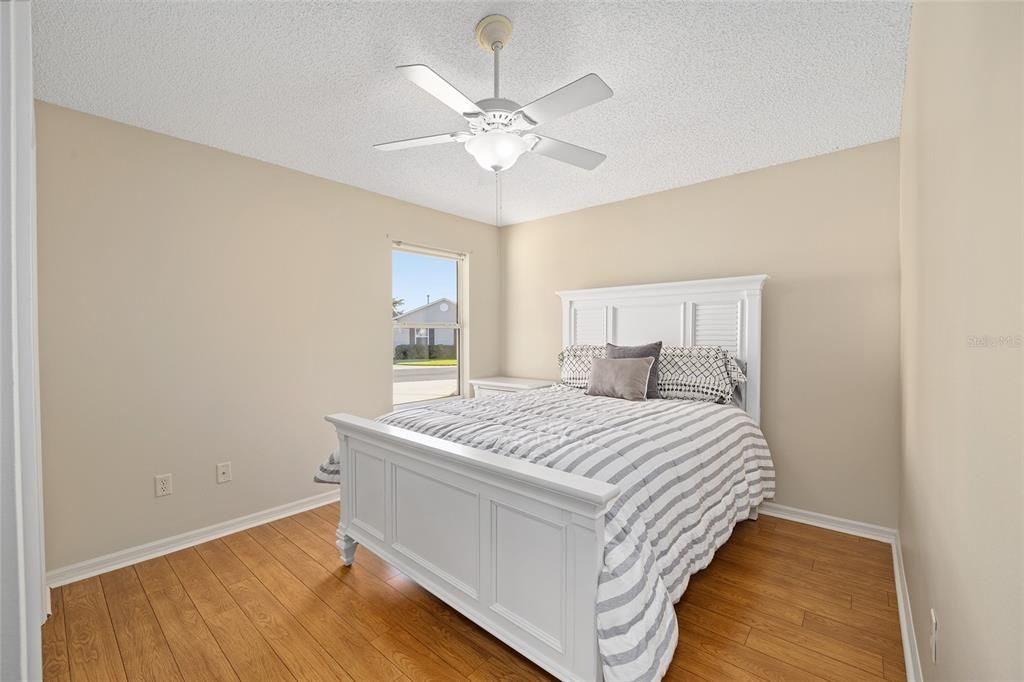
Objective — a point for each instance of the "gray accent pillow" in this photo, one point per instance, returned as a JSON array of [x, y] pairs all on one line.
[[649, 350], [620, 378]]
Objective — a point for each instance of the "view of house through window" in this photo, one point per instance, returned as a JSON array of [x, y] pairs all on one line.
[[425, 326]]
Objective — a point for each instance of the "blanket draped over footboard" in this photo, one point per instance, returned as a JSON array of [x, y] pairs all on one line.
[[688, 471]]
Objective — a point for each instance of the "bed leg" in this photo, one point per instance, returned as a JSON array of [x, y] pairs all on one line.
[[346, 548], [753, 514]]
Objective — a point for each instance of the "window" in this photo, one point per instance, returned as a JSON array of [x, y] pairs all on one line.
[[426, 324]]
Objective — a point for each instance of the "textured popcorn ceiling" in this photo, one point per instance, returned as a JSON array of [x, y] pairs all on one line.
[[702, 90]]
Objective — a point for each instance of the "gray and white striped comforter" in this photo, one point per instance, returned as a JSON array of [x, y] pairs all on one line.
[[687, 472]]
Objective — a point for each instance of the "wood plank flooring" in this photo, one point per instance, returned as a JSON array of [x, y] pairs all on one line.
[[780, 601]]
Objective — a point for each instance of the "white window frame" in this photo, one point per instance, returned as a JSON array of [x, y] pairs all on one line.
[[460, 325]]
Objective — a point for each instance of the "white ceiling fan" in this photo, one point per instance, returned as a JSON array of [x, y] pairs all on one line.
[[499, 129]]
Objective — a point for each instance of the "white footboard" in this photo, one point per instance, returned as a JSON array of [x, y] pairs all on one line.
[[514, 546]]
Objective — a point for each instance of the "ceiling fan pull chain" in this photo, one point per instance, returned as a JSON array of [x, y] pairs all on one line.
[[498, 199]]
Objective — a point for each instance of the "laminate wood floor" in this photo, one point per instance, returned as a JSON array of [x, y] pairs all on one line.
[[780, 601]]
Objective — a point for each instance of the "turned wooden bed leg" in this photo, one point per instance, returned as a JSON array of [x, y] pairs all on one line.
[[346, 548]]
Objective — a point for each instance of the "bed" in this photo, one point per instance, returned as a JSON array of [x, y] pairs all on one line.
[[567, 525]]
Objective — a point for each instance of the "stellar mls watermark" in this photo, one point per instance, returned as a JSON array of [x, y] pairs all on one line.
[[995, 341]]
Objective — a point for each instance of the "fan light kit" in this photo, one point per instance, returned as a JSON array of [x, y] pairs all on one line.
[[499, 129]]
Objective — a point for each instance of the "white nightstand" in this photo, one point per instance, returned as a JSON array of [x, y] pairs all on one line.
[[498, 385]]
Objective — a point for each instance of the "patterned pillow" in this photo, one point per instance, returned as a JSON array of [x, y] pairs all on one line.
[[735, 371], [738, 377], [574, 363], [698, 373]]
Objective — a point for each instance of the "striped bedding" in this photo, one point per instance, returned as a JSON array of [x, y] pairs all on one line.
[[687, 472]]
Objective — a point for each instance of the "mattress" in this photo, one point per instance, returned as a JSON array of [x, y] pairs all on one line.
[[687, 471]]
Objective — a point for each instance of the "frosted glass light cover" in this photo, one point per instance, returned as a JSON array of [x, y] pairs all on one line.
[[496, 150]]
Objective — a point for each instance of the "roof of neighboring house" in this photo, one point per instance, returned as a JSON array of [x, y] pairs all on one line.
[[424, 307]]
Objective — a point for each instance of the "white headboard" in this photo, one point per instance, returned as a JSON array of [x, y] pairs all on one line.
[[713, 312]]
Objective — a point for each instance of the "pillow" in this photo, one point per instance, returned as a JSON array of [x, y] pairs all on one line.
[[735, 371], [698, 373], [650, 350], [738, 377], [620, 377], [574, 364]]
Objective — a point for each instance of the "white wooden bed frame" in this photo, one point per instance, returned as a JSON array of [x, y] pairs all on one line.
[[514, 546]]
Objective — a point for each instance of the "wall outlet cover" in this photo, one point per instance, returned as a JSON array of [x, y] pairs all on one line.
[[223, 472], [162, 485]]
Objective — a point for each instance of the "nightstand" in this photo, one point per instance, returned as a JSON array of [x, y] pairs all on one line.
[[499, 385]]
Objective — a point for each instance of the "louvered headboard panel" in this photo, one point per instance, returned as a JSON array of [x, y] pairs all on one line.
[[714, 312]]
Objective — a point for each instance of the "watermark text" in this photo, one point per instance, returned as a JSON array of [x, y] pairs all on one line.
[[995, 341]]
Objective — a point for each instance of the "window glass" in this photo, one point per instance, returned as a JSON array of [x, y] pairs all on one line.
[[426, 327]]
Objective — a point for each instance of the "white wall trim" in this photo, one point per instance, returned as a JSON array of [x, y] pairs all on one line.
[[24, 600], [149, 550], [858, 528], [911, 656]]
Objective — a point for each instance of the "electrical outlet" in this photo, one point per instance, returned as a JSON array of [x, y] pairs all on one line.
[[935, 637], [162, 484], [223, 472]]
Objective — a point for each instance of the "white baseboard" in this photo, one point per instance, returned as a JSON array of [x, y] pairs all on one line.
[[858, 528], [133, 555], [911, 656]]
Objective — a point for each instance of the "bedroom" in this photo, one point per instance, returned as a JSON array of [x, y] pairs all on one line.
[[200, 238]]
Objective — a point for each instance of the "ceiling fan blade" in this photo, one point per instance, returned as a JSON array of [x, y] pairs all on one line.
[[582, 157], [418, 142], [427, 78], [580, 93]]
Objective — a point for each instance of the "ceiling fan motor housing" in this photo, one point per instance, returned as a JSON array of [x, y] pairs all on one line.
[[497, 104], [498, 115]]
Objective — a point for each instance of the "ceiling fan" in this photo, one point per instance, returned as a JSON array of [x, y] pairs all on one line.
[[499, 129]]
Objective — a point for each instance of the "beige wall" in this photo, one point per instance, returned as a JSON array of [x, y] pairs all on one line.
[[961, 244], [198, 307], [825, 230]]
